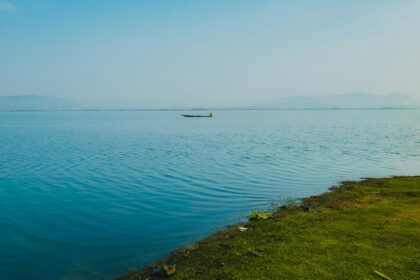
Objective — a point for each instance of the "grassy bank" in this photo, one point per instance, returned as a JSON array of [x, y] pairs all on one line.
[[359, 230]]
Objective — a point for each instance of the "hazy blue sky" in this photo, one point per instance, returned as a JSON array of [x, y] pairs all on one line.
[[207, 53]]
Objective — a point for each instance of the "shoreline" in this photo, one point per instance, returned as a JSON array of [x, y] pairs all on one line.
[[208, 109], [358, 229]]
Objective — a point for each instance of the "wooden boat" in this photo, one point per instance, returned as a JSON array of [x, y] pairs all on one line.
[[198, 116]]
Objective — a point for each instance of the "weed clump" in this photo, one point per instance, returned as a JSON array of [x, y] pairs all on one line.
[[260, 215]]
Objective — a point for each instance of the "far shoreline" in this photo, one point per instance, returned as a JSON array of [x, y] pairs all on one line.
[[207, 109]]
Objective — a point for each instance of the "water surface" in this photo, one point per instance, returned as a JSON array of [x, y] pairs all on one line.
[[88, 195]]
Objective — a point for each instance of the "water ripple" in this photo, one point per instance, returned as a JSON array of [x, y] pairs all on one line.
[[88, 195]]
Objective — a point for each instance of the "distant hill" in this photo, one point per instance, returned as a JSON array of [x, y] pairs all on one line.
[[35, 102], [342, 101]]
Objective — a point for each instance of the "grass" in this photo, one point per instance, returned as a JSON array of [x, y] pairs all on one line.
[[359, 230]]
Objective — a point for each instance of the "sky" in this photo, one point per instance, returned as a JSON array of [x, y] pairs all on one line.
[[165, 53]]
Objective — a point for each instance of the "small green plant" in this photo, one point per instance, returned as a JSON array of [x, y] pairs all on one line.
[[260, 215]]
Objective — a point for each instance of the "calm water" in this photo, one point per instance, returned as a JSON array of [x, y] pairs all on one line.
[[88, 195]]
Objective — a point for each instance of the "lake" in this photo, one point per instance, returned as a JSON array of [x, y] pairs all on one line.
[[89, 195]]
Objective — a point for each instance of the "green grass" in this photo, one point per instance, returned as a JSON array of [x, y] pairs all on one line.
[[347, 233]]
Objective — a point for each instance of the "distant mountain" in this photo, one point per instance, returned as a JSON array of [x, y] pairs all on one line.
[[342, 101], [35, 102]]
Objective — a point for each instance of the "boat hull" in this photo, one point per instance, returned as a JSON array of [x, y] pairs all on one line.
[[196, 116]]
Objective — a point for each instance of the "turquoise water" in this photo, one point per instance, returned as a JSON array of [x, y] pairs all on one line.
[[89, 195]]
